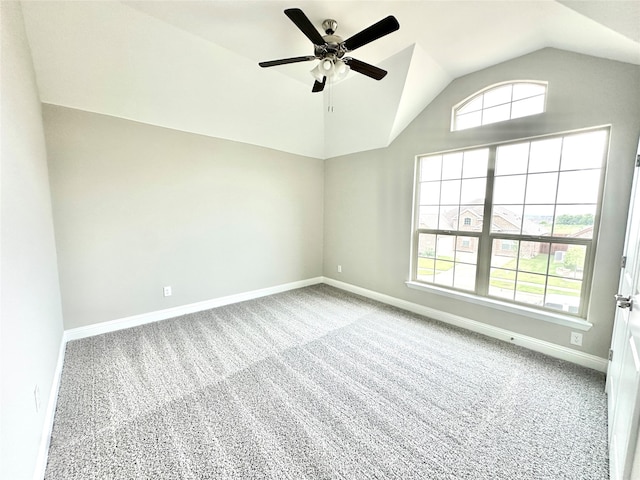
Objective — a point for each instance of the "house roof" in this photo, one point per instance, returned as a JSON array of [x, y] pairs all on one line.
[[192, 66], [450, 218]]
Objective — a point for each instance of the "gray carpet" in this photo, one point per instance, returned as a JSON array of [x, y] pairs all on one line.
[[317, 383]]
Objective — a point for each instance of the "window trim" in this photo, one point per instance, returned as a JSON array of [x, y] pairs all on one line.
[[459, 105], [517, 309], [578, 320]]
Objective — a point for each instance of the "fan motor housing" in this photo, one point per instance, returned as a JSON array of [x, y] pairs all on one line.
[[333, 47]]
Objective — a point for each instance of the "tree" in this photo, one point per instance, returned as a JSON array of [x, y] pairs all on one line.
[[574, 258], [584, 219]]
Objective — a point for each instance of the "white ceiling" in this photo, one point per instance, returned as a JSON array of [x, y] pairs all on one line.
[[192, 65]]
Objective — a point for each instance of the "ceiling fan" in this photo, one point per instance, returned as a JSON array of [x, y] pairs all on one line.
[[330, 48]]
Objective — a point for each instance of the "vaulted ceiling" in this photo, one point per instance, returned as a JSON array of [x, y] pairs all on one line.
[[193, 65]]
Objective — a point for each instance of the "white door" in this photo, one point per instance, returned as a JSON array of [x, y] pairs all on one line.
[[623, 375]]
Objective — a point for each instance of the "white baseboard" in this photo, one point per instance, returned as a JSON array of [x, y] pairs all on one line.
[[45, 440], [136, 320], [548, 348]]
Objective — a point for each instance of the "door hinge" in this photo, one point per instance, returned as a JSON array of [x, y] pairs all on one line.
[[638, 161], [623, 262], [610, 354]]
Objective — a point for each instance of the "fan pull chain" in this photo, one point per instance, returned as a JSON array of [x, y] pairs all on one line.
[[330, 96]]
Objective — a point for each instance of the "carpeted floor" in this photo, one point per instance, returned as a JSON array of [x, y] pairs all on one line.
[[317, 383]]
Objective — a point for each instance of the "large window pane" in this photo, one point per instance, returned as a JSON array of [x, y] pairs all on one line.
[[561, 302], [430, 168], [473, 190], [467, 249], [524, 90], [428, 217], [426, 268], [471, 106], [509, 189], [427, 245], [504, 253], [496, 114], [541, 188], [545, 155], [538, 219], [579, 186], [567, 260], [475, 163], [470, 218], [583, 150], [449, 217], [512, 159], [529, 106], [506, 219], [497, 96], [450, 192], [443, 273], [574, 221], [430, 193], [502, 283], [533, 257], [452, 166], [464, 276], [465, 262], [530, 288], [564, 294], [468, 120]]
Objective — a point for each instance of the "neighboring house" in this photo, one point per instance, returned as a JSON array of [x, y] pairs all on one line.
[[470, 219]]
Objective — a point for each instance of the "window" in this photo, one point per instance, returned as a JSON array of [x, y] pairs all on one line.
[[498, 103], [538, 247]]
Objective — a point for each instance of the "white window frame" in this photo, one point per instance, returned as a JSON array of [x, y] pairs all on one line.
[[480, 95], [480, 295]]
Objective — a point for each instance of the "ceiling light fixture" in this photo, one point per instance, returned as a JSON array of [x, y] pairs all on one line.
[[331, 67]]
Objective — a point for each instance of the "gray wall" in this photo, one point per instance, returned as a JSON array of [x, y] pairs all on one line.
[[31, 316], [138, 207], [368, 196]]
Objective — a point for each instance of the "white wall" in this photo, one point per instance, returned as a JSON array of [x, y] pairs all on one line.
[[368, 196], [31, 317], [138, 207]]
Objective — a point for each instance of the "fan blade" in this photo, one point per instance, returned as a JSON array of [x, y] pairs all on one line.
[[318, 87], [375, 31], [298, 17], [365, 69], [284, 61]]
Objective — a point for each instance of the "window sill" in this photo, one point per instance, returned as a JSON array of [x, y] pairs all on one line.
[[557, 318]]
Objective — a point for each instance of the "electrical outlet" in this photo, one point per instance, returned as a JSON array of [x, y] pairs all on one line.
[[576, 338], [36, 397], [166, 291], [339, 268]]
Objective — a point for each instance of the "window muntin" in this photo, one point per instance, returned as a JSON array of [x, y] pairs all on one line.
[[499, 103], [452, 195], [541, 234]]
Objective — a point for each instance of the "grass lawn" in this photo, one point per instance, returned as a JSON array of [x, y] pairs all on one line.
[[537, 264], [531, 280], [429, 266], [568, 229]]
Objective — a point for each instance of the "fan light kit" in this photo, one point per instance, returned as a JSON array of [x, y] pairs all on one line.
[[330, 49]]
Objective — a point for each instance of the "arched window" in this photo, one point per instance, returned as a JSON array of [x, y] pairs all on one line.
[[497, 103]]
